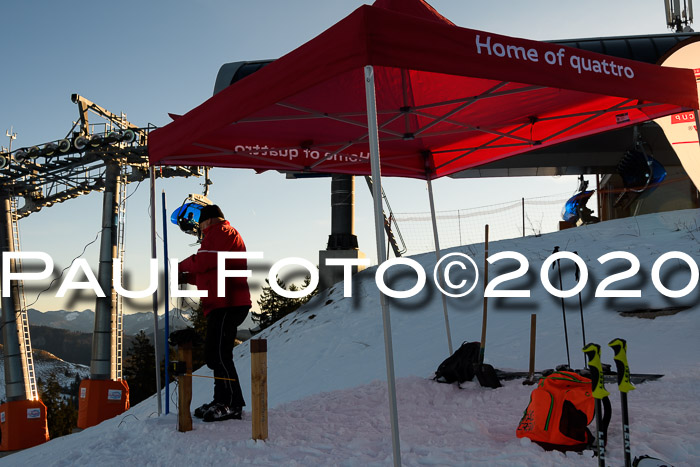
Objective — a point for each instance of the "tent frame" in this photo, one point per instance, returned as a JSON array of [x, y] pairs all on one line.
[[433, 141], [373, 133], [500, 139]]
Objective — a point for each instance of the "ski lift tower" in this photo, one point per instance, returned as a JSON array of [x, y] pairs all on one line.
[[23, 410], [93, 157]]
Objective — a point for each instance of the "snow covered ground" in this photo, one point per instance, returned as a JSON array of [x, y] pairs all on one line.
[[46, 364], [326, 370]]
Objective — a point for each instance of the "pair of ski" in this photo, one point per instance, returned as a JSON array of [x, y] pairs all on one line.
[[611, 377], [600, 394]]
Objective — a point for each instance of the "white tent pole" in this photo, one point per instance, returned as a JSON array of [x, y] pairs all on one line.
[[438, 256], [373, 133], [152, 211]]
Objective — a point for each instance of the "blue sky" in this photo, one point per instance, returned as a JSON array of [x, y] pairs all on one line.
[[151, 58]]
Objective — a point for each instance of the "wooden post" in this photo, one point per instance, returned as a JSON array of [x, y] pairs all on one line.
[[258, 378], [184, 384], [482, 350], [533, 333]]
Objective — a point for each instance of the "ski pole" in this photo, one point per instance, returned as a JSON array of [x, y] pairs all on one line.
[[533, 335], [592, 351], [563, 310], [619, 346], [580, 305], [482, 348]]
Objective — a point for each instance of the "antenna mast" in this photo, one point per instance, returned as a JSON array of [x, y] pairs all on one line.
[[677, 18]]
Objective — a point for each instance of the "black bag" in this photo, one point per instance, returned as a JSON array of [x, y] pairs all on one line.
[[461, 365], [486, 374]]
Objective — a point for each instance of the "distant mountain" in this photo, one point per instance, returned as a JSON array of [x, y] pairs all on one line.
[[46, 363], [84, 321], [71, 346], [68, 334], [77, 321]]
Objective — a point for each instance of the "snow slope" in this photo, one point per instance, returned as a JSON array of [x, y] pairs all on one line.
[[326, 370]]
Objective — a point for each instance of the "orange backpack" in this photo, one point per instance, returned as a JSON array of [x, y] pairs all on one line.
[[561, 408]]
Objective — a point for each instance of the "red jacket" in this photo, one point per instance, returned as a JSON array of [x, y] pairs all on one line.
[[202, 268]]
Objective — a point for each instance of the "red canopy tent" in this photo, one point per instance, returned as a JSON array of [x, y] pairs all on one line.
[[436, 98], [448, 99]]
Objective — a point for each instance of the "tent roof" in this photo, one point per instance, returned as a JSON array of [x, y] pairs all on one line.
[[448, 99], [598, 153]]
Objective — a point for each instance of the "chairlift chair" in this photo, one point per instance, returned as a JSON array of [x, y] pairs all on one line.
[[640, 174], [640, 171], [187, 215], [575, 211]]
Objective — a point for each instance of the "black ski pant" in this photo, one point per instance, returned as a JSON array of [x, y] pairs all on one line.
[[222, 324]]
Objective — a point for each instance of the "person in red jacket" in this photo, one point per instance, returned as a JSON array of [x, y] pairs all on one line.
[[223, 313]]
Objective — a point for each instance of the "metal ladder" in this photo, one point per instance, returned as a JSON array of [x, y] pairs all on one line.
[[118, 325], [25, 341], [398, 250]]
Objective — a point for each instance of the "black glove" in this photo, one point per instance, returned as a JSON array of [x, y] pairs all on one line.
[[182, 277], [182, 336]]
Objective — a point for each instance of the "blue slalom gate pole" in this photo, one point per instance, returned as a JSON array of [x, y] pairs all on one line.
[[167, 307]]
